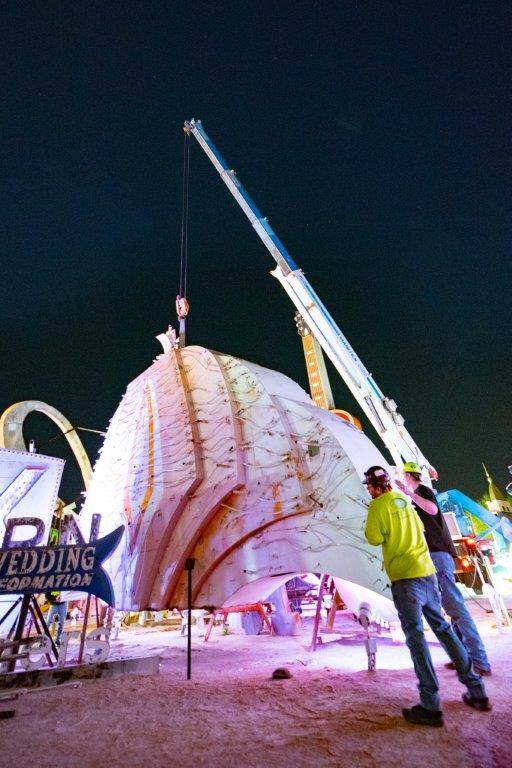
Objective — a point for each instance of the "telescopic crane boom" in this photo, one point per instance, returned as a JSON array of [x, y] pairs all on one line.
[[381, 410]]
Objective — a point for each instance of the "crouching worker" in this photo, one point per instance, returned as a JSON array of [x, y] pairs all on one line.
[[393, 523]]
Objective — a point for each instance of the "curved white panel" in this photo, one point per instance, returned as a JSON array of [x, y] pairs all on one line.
[[216, 458]]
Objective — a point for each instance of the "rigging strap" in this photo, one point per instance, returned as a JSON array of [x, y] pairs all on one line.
[[182, 305]]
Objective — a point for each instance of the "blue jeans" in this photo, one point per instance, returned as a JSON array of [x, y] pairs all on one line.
[[454, 605], [415, 598], [57, 611]]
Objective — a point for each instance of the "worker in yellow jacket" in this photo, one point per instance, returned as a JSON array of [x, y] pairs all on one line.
[[393, 523]]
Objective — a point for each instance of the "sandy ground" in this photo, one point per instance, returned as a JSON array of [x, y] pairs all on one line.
[[332, 712]]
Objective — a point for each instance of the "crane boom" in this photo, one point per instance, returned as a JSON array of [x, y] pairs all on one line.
[[319, 385], [380, 410]]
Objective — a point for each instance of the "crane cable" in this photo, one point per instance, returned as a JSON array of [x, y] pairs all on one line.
[[182, 305]]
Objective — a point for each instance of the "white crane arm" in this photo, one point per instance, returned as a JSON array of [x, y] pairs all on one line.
[[379, 409]]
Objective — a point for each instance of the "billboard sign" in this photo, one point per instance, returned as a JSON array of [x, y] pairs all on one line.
[[29, 570], [29, 483]]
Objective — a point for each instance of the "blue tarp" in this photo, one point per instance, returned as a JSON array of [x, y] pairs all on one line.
[[500, 525]]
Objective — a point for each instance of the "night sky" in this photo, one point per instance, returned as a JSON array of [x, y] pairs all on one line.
[[376, 138]]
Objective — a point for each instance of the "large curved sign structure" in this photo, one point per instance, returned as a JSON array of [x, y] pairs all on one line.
[[11, 431], [216, 458]]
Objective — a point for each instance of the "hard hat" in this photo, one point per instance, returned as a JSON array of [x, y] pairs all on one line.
[[412, 467], [376, 476]]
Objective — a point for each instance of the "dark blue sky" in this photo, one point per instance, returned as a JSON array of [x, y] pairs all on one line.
[[376, 138]]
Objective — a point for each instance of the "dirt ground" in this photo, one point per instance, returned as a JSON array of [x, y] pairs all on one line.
[[332, 712]]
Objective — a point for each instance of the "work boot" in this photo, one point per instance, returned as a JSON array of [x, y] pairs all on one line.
[[483, 705], [419, 715], [481, 671]]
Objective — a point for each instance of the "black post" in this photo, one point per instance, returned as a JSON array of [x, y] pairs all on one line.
[[44, 625], [189, 567], [18, 635], [11, 609]]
